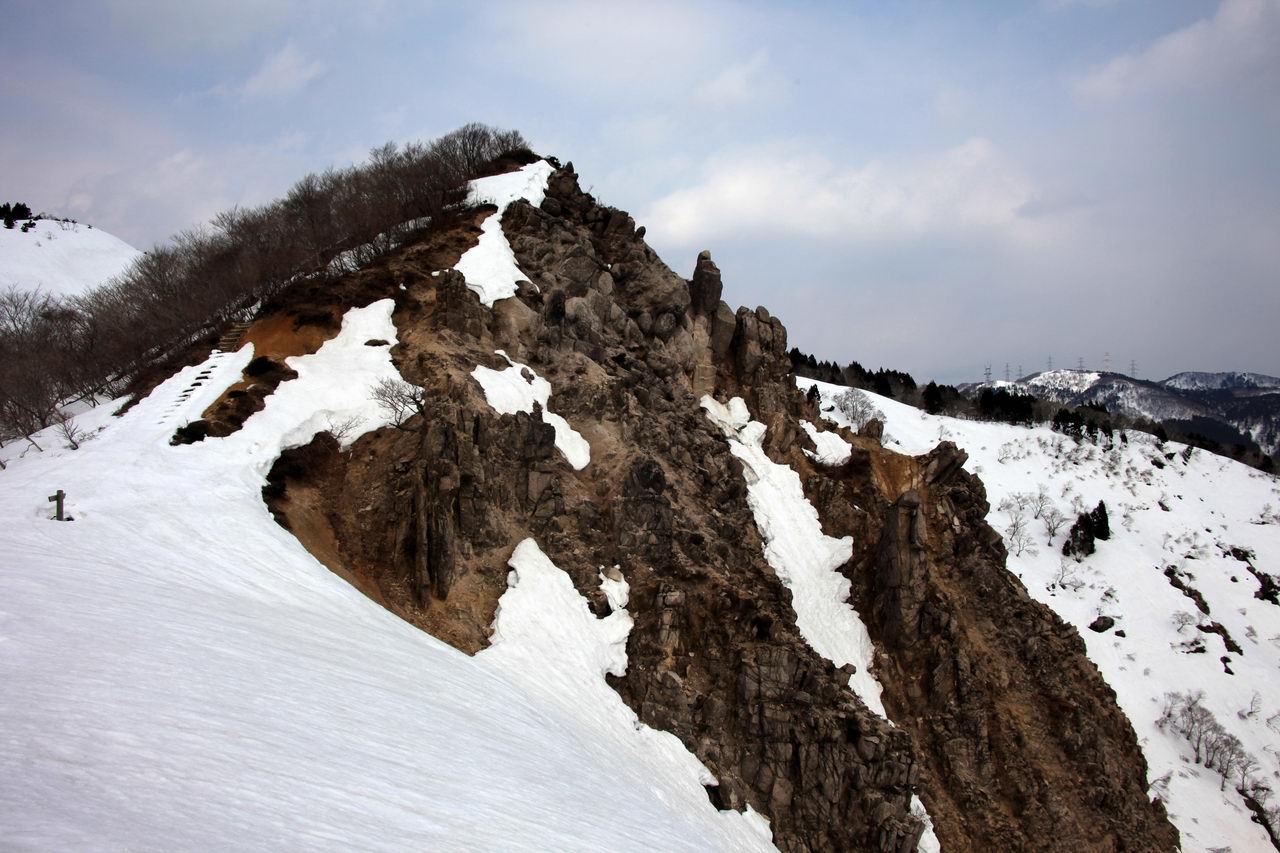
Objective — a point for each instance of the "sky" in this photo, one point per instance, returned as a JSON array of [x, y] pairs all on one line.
[[923, 185]]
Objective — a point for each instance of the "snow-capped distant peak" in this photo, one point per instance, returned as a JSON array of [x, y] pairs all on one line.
[[1198, 381], [1071, 381], [62, 258]]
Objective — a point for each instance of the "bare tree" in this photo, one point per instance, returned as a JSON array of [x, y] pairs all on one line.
[[343, 428], [1066, 576], [1053, 519], [858, 409], [398, 399], [1039, 502]]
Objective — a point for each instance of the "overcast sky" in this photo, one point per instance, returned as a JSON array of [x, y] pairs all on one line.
[[930, 186]]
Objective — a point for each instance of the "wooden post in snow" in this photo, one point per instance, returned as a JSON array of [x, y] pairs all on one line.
[[57, 499]]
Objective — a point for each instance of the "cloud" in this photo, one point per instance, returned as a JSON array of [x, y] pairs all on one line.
[[1239, 38], [285, 73], [741, 83], [783, 191]]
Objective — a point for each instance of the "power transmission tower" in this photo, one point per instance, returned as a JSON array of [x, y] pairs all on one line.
[[1051, 362], [1106, 362], [1080, 363], [986, 371], [1006, 371], [1133, 368]]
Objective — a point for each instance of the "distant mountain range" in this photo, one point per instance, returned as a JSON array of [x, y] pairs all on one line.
[[1229, 408]]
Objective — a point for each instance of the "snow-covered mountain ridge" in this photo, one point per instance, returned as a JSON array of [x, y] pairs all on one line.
[[694, 614]]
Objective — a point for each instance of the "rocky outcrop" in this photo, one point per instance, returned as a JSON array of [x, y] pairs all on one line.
[[424, 518], [1023, 745]]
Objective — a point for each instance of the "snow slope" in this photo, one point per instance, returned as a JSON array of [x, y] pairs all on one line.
[[61, 258], [1212, 504], [180, 674], [490, 266]]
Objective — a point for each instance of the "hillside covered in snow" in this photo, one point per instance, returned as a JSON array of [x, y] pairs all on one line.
[[1181, 599], [61, 258], [1227, 407]]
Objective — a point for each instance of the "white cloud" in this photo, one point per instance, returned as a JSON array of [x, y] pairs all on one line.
[[745, 82], [1239, 38], [287, 72], [776, 192]]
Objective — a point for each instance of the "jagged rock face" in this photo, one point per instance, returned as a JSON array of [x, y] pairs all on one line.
[[1023, 745], [423, 520]]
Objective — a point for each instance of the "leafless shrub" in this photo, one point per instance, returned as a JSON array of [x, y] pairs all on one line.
[[398, 399], [1053, 520], [344, 428], [1067, 576], [858, 409], [72, 433]]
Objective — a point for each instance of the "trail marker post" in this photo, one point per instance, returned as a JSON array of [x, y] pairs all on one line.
[[57, 499]]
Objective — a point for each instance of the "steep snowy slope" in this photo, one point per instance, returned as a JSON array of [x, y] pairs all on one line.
[[1168, 509], [61, 257], [1247, 402], [180, 673]]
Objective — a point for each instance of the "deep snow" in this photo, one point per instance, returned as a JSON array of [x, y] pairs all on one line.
[[61, 258], [1213, 503], [180, 674]]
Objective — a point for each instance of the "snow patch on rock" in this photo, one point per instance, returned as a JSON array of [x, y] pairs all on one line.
[[805, 559], [490, 266], [832, 449], [517, 389]]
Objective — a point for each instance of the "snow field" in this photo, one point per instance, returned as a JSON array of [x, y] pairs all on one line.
[[1213, 503], [61, 258], [516, 389], [180, 674], [804, 558], [490, 266]]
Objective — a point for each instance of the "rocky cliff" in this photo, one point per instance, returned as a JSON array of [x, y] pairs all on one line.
[[1001, 725]]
